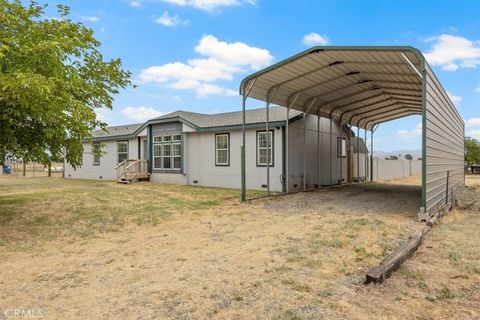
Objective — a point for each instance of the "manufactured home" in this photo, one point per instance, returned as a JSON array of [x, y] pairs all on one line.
[[204, 149]]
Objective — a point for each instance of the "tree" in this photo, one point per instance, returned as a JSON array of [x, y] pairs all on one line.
[[472, 151], [408, 157], [393, 158], [52, 79]]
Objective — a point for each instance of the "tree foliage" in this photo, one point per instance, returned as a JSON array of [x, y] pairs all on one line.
[[408, 156], [52, 79], [472, 151]]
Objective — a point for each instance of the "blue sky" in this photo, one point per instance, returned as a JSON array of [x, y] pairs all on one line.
[[192, 54]]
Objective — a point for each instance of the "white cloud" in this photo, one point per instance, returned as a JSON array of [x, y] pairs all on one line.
[[170, 21], [477, 89], [455, 99], [451, 52], [89, 18], [208, 5], [234, 53], [140, 114], [471, 123], [222, 61], [135, 3], [412, 134], [313, 39], [473, 133], [104, 114], [472, 127]]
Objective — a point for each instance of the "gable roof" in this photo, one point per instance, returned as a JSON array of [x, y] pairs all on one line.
[[253, 116], [116, 131]]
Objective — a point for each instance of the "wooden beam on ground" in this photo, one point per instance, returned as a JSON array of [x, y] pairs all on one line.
[[397, 257]]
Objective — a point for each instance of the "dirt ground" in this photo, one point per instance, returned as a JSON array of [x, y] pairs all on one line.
[[302, 256]]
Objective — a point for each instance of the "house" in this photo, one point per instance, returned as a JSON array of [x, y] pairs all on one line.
[[204, 149]]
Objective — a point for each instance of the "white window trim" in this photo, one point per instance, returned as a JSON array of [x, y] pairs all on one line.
[[94, 155], [222, 164], [154, 156], [174, 156], [118, 153], [270, 133]]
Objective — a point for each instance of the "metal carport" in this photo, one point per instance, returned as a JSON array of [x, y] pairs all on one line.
[[363, 87]]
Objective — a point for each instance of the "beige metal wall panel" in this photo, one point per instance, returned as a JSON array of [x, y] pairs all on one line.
[[444, 146]]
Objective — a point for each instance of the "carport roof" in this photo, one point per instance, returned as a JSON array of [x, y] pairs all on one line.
[[362, 86]]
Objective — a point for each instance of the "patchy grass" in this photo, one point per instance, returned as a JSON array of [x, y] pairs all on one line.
[[32, 210], [176, 252]]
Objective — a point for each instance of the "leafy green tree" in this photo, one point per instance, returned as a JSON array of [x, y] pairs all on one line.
[[408, 156], [52, 79], [472, 151]]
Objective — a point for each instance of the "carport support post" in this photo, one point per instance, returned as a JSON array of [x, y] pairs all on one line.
[[366, 154], [358, 154], [305, 145], [286, 148], [268, 146], [243, 193], [330, 160], [371, 154]]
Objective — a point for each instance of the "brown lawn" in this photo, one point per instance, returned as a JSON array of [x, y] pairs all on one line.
[[99, 250]]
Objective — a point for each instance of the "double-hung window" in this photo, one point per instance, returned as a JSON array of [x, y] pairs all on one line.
[[222, 149], [341, 147], [167, 152], [122, 151], [264, 148], [96, 153]]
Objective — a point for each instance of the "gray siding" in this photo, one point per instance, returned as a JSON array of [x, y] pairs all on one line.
[[321, 158], [444, 145]]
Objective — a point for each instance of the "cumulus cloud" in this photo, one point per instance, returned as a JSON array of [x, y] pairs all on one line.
[[473, 122], [452, 52], [140, 114], [455, 99], [472, 127], [411, 134], [313, 39], [222, 61], [208, 5], [170, 21]]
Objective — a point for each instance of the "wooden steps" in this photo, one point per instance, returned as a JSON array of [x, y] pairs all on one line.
[[130, 171]]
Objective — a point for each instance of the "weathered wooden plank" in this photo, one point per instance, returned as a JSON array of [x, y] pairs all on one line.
[[393, 261]]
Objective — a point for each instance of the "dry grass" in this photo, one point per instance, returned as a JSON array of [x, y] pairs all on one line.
[[205, 256]]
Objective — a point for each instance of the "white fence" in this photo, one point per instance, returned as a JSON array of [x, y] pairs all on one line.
[[392, 169]]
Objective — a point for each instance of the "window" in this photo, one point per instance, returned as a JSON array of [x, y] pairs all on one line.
[[167, 156], [263, 148], [167, 152], [222, 152], [177, 156], [157, 156], [96, 153], [341, 148], [122, 151]]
